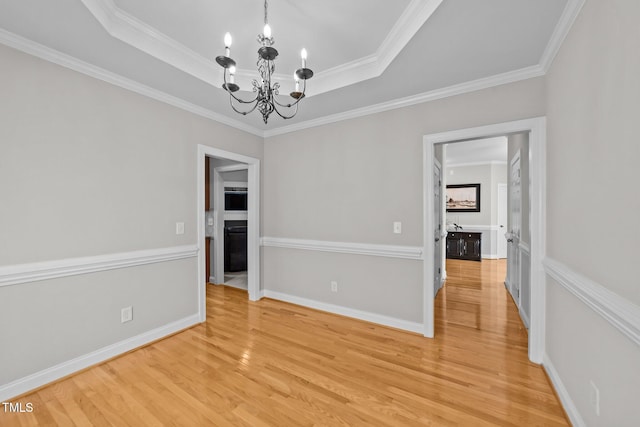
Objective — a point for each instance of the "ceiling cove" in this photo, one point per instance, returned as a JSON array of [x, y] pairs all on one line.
[[133, 31], [147, 33]]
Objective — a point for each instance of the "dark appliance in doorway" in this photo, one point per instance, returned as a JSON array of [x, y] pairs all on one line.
[[235, 199], [235, 246]]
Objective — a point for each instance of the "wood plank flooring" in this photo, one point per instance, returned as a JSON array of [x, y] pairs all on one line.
[[269, 363]]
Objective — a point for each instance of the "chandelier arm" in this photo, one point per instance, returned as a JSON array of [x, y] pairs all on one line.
[[304, 88], [242, 101], [235, 97], [284, 116], [244, 113]]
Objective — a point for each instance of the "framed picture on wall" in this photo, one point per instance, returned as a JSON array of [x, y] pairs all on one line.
[[463, 198]]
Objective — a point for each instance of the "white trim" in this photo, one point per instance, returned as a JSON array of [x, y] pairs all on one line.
[[388, 251], [32, 48], [458, 89], [617, 310], [562, 28], [46, 376], [410, 21], [489, 162], [47, 270], [232, 168], [537, 180], [133, 31], [565, 398], [524, 247], [523, 316], [568, 17], [346, 311]]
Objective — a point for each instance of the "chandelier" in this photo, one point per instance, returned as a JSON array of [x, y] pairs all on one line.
[[266, 93]]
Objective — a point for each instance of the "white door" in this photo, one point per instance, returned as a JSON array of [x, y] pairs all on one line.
[[437, 223], [515, 220], [502, 220]]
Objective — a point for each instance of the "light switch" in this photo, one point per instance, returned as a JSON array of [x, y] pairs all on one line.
[[397, 227], [179, 227]]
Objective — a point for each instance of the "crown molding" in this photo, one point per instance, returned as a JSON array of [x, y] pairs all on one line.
[[568, 17], [459, 89], [371, 66], [131, 30], [104, 9], [43, 52]]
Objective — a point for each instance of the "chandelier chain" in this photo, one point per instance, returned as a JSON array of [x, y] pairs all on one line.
[[265, 12]]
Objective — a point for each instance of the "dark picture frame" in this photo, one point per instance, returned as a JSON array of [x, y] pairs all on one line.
[[463, 198]]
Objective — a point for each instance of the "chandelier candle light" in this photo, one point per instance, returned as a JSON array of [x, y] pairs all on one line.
[[266, 93]]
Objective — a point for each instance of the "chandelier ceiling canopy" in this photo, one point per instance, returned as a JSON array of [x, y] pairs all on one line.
[[266, 99]]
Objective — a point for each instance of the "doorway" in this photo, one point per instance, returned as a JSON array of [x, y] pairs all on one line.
[[536, 129], [252, 166], [231, 224]]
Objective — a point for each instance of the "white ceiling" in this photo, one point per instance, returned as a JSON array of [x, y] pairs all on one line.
[[364, 52], [477, 151]]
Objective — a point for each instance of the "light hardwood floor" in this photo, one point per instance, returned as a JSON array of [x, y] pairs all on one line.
[[274, 364]]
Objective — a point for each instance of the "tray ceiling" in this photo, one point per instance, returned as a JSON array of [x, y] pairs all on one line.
[[364, 52]]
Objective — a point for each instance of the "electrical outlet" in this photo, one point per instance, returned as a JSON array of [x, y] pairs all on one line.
[[179, 227], [334, 286], [397, 227], [126, 314], [595, 397]]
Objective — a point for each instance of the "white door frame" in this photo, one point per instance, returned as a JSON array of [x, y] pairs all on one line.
[[253, 223], [537, 170]]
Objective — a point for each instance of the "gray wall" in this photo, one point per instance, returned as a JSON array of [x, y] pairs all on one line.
[[87, 168], [592, 166], [488, 176], [348, 181]]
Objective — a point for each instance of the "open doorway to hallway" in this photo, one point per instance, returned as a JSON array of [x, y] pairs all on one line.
[[487, 217], [535, 129]]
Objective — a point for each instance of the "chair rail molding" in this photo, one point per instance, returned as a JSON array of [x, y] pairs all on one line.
[[617, 310], [33, 272], [388, 251]]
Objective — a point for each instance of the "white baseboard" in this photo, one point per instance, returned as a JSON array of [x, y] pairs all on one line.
[[46, 376], [346, 311], [563, 394], [524, 317]]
